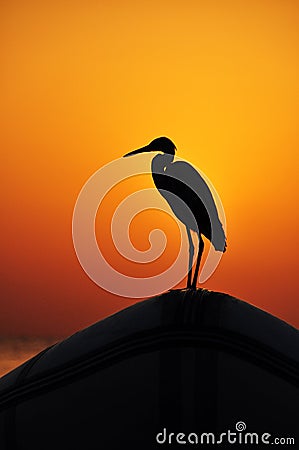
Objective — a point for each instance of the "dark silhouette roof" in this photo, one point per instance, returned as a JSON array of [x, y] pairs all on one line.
[[190, 361]]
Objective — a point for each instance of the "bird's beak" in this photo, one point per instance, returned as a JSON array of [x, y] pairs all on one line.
[[139, 150]]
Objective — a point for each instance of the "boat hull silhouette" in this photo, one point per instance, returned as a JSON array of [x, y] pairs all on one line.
[[183, 362]]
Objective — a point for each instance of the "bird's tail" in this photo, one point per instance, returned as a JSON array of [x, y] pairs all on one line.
[[218, 237]]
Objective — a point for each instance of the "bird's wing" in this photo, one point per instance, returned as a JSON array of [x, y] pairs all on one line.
[[205, 203], [186, 173]]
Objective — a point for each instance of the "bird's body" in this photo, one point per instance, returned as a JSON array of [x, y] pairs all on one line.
[[189, 197]]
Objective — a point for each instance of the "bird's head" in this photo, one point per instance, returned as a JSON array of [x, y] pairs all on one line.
[[160, 144]]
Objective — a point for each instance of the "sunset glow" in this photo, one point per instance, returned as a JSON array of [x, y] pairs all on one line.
[[83, 83]]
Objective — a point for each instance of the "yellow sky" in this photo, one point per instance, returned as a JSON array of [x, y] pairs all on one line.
[[84, 82]]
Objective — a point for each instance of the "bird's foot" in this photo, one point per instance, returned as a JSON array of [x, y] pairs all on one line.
[[191, 287]]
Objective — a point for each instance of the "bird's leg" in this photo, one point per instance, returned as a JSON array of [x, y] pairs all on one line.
[[191, 254], [200, 251]]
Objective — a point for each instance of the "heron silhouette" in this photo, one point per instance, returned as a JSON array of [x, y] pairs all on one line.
[[189, 197]]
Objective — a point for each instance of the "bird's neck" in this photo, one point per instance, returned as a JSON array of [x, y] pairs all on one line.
[[161, 162]]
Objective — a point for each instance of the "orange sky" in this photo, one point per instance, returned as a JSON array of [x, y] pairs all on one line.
[[84, 82]]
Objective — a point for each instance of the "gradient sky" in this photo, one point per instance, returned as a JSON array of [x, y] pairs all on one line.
[[84, 82]]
